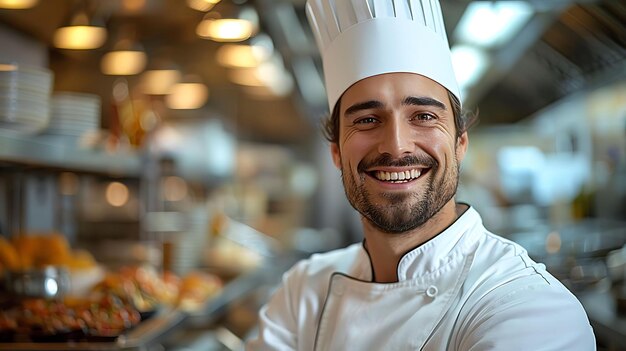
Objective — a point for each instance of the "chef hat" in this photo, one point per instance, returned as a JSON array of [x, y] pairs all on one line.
[[364, 38]]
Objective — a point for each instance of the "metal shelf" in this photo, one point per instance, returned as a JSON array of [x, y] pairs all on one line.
[[33, 152]]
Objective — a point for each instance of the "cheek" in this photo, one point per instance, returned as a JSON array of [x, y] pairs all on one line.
[[354, 147], [440, 145]]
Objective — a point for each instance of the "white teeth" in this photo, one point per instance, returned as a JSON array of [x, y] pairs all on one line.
[[398, 176]]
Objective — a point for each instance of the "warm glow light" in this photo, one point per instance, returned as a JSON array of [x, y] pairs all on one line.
[[246, 76], [159, 82], [225, 30], [242, 56], [490, 23], [187, 96], [553, 243], [80, 37], [6, 67], [133, 5], [117, 194], [268, 75], [174, 189], [17, 4], [202, 5], [123, 63]]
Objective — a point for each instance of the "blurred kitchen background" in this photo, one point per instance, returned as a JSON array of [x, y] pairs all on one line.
[[184, 135]]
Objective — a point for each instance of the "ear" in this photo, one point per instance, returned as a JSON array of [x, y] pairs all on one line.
[[461, 146], [336, 154]]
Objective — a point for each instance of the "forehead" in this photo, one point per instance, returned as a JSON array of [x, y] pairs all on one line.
[[392, 88]]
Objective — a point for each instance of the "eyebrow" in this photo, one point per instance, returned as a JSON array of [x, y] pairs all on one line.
[[409, 100], [366, 105], [423, 101]]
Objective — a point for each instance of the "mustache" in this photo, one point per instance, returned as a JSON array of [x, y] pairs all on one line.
[[385, 160]]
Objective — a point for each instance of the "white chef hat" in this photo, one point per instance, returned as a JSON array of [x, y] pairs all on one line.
[[364, 38]]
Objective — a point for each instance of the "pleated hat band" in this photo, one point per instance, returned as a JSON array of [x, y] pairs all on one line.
[[365, 38]]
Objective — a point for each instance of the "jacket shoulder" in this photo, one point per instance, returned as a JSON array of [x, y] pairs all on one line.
[[325, 264]]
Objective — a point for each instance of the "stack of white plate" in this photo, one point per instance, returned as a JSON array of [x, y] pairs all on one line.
[[190, 243], [72, 115], [24, 98]]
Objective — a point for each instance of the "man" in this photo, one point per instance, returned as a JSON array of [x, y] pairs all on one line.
[[428, 275]]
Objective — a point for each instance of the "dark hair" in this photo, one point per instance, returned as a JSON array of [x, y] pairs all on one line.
[[462, 120]]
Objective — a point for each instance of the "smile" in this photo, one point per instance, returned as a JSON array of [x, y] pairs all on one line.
[[397, 177]]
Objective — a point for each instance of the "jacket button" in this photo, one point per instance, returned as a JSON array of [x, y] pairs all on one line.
[[432, 291]]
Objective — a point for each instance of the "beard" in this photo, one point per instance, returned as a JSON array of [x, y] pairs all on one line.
[[402, 212]]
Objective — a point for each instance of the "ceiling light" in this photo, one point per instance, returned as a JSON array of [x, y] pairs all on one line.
[[17, 4], [228, 29], [80, 34], [246, 56], [127, 56], [123, 62], [246, 76], [270, 75], [117, 194], [133, 6], [189, 94], [202, 5], [159, 81], [243, 56], [469, 64], [491, 23], [225, 30]]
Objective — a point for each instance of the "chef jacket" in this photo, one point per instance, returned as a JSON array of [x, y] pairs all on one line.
[[465, 289]]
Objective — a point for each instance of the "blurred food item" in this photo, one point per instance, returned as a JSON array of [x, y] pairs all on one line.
[[230, 257], [39, 250], [44, 320], [44, 265], [48, 321], [9, 258], [52, 249], [148, 291], [8, 327], [29, 251], [81, 259], [196, 288], [26, 247], [219, 222], [110, 318], [141, 285]]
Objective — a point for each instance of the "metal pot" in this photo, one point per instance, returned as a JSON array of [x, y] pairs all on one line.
[[46, 282]]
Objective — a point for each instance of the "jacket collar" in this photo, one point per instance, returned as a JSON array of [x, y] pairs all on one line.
[[456, 239]]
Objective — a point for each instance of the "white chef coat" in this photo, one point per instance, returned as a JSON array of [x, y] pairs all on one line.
[[465, 289]]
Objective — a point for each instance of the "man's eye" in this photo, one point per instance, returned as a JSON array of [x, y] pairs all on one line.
[[424, 117], [366, 120]]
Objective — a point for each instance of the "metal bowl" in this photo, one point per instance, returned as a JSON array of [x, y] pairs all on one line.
[[47, 282]]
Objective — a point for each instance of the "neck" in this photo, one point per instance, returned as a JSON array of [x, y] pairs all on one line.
[[385, 250]]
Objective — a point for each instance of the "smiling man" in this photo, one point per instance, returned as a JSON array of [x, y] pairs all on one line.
[[428, 275]]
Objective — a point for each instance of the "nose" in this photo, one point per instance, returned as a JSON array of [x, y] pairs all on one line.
[[396, 138]]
